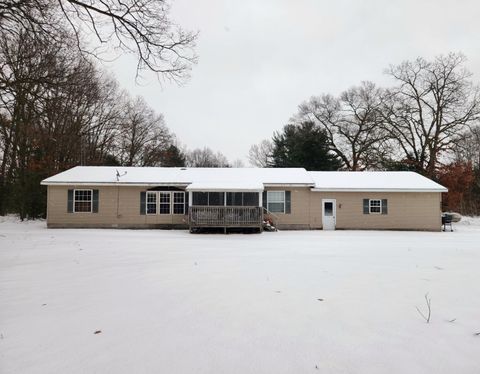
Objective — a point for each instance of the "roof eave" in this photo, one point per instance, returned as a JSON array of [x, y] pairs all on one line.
[[133, 184], [316, 189], [226, 189], [289, 185]]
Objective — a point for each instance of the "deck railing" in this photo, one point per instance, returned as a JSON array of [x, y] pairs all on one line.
[[225, 216]]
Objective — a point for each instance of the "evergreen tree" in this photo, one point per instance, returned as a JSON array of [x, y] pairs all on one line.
[[173, 156], [303, 145]]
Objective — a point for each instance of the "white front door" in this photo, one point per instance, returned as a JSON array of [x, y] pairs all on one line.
[[329, 212]]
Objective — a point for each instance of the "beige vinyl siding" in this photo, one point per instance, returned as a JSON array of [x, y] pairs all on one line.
[[299, 217], [110, 214], [406, 210]]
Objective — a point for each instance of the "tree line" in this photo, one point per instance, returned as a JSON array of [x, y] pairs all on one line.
[[427, 122], [58, 109]]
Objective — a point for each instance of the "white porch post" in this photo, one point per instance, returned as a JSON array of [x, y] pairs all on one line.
[[190, 197], [260, 199]]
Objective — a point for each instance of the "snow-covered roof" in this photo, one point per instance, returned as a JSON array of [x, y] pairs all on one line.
[[215, 178], [253, 186], [373, 181], [246, 179]]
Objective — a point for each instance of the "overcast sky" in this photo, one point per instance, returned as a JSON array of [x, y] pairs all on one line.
[[259, 59]]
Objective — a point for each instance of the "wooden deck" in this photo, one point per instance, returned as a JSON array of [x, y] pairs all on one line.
[[225, 216]]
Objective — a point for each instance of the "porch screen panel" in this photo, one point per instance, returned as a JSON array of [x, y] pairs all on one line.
[[234, 198], [215, 198], [200, 198], [230, 198], [238, 198], [250, 199]]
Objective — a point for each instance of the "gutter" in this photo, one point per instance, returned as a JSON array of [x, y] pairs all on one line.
[[153, 184], [43, 183], [378, 190], [289, 185]]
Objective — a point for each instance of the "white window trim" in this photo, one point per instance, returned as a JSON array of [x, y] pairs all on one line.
[[147, 203], [172, 199], [370, 206], [75, 200], [284, 202], [169, 193], [171, 203]]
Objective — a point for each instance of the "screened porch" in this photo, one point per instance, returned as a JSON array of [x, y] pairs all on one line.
[[225, 209]]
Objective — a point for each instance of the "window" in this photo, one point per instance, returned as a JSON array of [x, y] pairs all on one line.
[[82, 201], [164, 198], [375, 206], [215, 198], [328, 209], [250, 199], [163, 202], [234, 199], [208, 198], [151, 203], [178, 202], [276, 201], [200, 198], [242, 198]]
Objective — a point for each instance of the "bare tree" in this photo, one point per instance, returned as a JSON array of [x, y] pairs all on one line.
[[432, 106], [352, 123], [32, 71], [260, 155], [467, 148], [141, 27], [206, 158], [237, 164], [58, 110], [143, 137]]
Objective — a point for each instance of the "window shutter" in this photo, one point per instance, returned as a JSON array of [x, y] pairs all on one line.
[[143, 197], [288, 202], [95, 201], [384, 206], [366, 209], [70, 201], [264, 200], [186, 201]]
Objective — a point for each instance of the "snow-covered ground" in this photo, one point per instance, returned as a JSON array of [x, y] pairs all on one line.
[[286, 302]]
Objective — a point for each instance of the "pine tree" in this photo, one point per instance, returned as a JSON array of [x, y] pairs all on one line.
[[303, 145], [173, 156]]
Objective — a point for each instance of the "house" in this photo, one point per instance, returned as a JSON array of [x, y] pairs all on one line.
[[293, 198]]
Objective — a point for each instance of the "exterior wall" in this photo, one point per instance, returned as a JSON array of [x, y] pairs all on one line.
[[299, 216], [110, 214], [406, 211], [120, 207]]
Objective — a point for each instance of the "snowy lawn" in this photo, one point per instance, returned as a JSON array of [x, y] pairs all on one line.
[[286, 302]]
